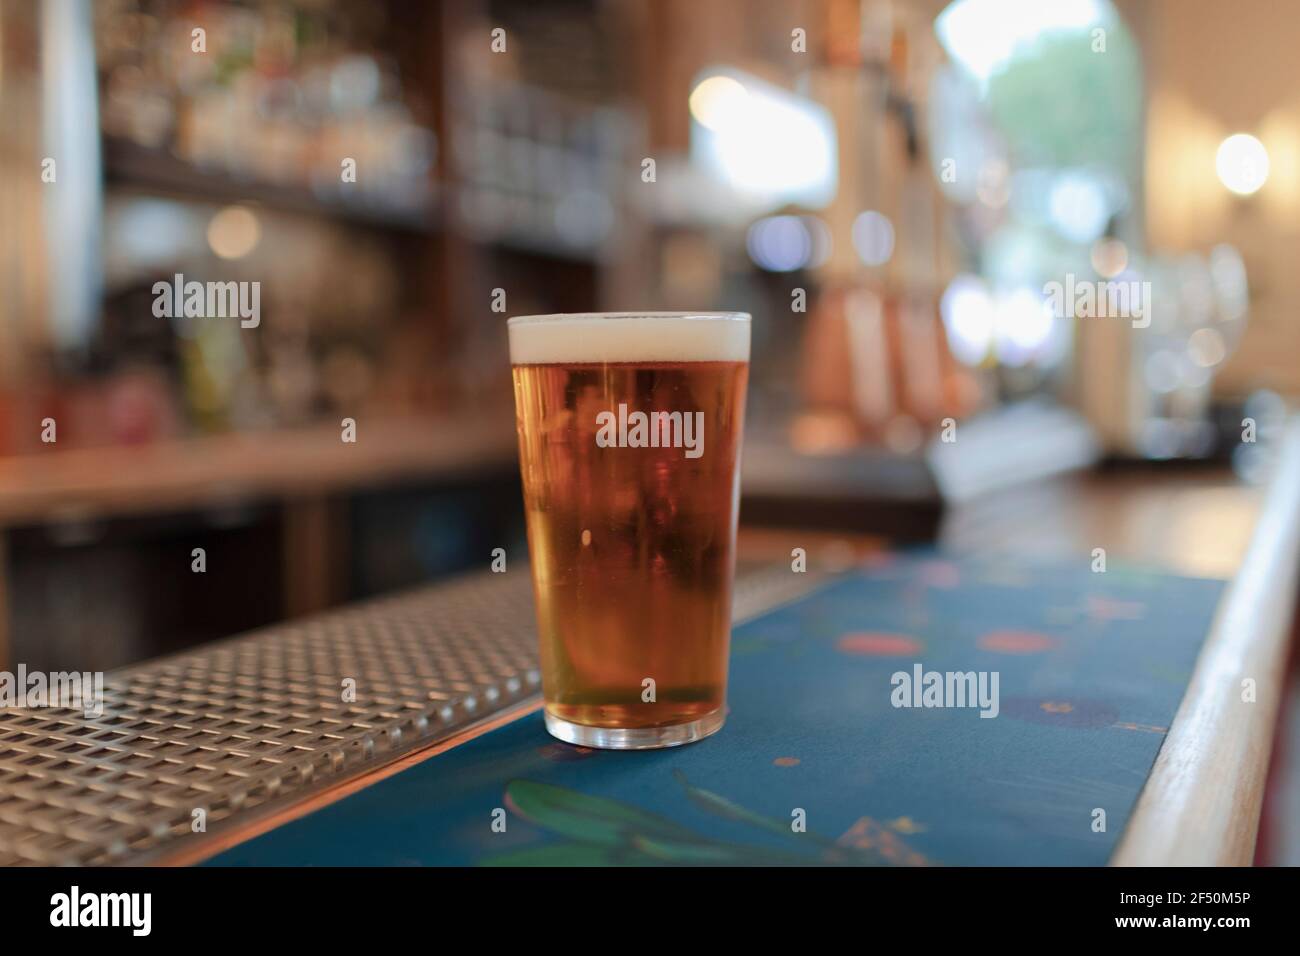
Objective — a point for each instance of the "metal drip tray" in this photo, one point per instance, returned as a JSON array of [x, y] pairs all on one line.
[[243, 727]]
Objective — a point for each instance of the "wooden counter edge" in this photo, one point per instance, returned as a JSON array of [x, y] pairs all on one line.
[[1201, 804]]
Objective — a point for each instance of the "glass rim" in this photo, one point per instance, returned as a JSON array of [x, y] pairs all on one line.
[[617, 316]]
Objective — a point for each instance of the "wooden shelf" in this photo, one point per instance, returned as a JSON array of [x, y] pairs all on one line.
[[159, 172], [201, 472]]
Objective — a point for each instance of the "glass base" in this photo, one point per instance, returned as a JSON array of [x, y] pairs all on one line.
[[635, 738]]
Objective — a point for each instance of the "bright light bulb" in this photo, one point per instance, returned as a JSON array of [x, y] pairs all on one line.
[[234, 232], [717, 100], [1242, 163], [969, 318], [771, 146]]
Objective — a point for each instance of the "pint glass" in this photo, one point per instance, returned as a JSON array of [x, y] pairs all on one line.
[[629, 446]]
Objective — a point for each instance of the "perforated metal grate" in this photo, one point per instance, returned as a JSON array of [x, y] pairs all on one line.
[[242, 727]]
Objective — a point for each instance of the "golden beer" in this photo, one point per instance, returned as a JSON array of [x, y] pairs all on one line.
[[629, 444]]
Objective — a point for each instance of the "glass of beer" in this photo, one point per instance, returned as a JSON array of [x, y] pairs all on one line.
[[629, 444]]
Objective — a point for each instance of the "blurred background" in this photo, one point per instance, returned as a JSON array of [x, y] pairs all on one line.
[[891, 188]]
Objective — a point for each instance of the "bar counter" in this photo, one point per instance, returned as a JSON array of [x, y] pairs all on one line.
[[258, 731]]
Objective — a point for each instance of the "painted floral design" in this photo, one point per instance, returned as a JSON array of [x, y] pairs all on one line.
[[597, 831]]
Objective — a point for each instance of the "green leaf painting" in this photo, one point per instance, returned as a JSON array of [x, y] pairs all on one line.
[[596, 831]]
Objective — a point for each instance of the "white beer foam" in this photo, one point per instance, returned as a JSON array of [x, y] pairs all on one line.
[[584, 337]]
